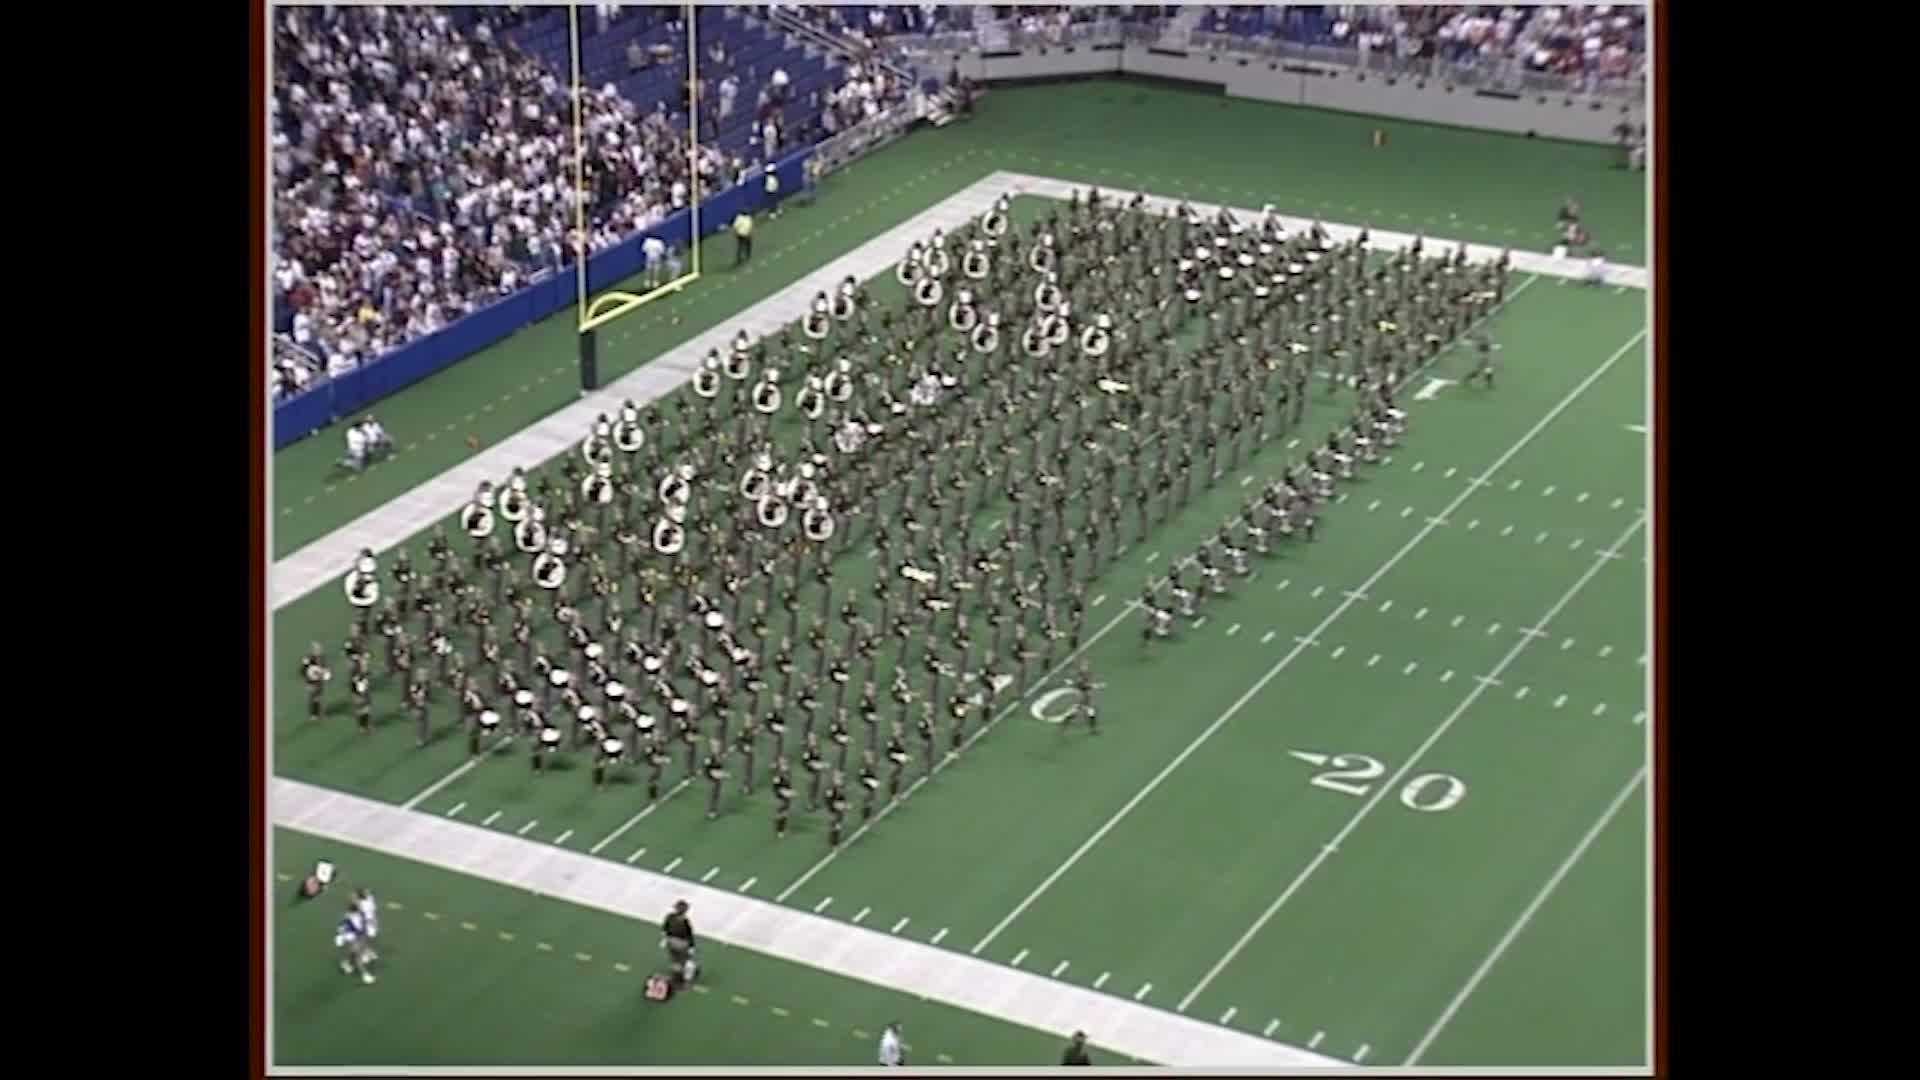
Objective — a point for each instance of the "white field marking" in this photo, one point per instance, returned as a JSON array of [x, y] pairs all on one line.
[[1508, 531], [1293, 653], [1102, 980], [1436, 521], [1293, 444], [1232, 630], [747, 884], [1200, 622], [1642, 661], [1526, 916], [457, 807], [1575, 546], [1560, 701], [1541, 539], [1019, 956], [822, 905], [562, 838], [1267, 1032], [620, 967], [861, 915], [1550, 489], [465, 925], [432, 916], [708, 876], [1637, 429], [1340, 498], [524, 829], [1338, 651], [1412, 665], [639, 817], [1492, 630], [1606, 651], [1406, 511], [935, 939], [1354, 594], [1153, 556], [899, 926], [1457, 620], [1418, 465], [459, 771], [1372, 660], [1245, 481], [1374, 505], [1062, 966], [1315, 1041], [1421, 614], [1640, 717], [1515, 486], [585, 958], [1474, 524], [1386, 606], [1520, 694], [1317, 590], [1268, 636], [1227, 1017], [1449, 473], [1360, 1055], [1145, 989], [1600, 709], [1413, 760], [1446, 676], [1582, 497], [668, 869], [1282, 587], [636, 855], [1567, 644], [1098, 600]]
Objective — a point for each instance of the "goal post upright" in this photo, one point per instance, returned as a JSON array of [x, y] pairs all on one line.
[[593, 312]]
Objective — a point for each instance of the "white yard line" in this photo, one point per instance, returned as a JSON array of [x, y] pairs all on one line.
[[1293, 653], [1393, 783], [1526, 916]]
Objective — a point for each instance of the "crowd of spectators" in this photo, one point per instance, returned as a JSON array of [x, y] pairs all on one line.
[[1570, 40], [422, 170]]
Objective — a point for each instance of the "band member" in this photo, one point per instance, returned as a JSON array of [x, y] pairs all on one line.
[[1083, 684], [607, 754], [815, 763], [897, 758], [836, 807], [838, 735], [1483, 362], [715, 768], [782, 783], [485, 723], [926, 728], [545, 742], [869, 783], [657, 758], [361, 687], [745, 742], [417, 701], [316, 673]]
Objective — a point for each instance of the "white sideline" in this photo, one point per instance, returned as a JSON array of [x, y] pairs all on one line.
[[856, 952]]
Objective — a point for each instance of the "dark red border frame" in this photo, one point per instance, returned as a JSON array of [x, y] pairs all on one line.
[[260, 875]]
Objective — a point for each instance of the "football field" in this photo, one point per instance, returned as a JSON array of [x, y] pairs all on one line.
[[1385, 801]]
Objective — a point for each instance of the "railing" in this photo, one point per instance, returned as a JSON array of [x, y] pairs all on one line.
[[838, 151], [837, 44]]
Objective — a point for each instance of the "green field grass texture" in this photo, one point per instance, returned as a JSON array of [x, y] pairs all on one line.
[[1241, 814], [543, 983], [1472, 185]]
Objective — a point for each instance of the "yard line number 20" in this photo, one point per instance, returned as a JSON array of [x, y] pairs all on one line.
[[1354, 774]]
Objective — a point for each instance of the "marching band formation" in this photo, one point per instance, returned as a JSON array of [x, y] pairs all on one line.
[[884, 520]]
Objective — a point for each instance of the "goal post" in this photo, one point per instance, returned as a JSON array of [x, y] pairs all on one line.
[[594, 311]]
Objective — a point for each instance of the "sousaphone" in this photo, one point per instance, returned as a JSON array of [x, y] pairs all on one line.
[[629, 435], [477, 518], [530, 534], [550, 566], [961, 315], [514, 502], [819, 319]]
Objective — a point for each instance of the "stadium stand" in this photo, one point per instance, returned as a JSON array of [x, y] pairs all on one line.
[[406, 198]]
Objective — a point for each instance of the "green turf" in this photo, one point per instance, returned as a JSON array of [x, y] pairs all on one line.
[[1386, 930], [547, 983], [1478, 186]]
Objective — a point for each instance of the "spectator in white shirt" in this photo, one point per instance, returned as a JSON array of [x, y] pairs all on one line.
[[779, 82], [656, 252], [891, 1052], [356, 458]]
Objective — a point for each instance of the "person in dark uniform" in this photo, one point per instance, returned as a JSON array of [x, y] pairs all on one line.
[[1083, 683], [870, 783], [815, 763], [485, 723], [836, 807], [417, 701], [544, 744], [657, 759], [715, 767], [746, 742], [680, 943], [782, 783], [316, 673], [897, 755], [1483, 362], [1076, 1052]]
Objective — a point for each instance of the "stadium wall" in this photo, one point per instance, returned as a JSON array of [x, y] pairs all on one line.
[[298, 417], [1323, 86]]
